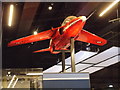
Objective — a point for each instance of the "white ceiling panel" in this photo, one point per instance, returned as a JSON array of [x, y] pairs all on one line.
[[109, 62], [79, 67], [80, 56], [108, 55], [104, 55], [55, 68], [82, 66], [68, 70], [92, 69]]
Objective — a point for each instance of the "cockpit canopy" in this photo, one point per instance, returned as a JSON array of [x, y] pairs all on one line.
[[67, 20]]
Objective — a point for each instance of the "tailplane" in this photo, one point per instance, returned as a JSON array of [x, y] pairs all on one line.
[[42, 50]]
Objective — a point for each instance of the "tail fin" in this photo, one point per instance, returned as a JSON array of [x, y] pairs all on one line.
[[42, 50]]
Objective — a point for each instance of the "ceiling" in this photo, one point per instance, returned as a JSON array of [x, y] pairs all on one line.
[[31, 16]]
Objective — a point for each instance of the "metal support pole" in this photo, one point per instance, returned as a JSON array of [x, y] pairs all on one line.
[[63, 61], [4, 82], [72, 54], [31, 84]]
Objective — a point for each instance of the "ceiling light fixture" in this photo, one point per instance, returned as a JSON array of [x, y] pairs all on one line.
[[110, 86], [10, 15], [52, 3], [35, 33], [50, 7], [9, 72], [109, 7], [88, 48]]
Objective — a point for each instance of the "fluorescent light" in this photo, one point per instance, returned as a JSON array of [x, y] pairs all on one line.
[[11, 81], [10, 15], [34, 74], [109, 7], [35, 33], [15, 83]]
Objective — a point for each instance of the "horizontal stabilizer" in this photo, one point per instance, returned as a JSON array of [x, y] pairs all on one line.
[[88, 37], [42, 50]]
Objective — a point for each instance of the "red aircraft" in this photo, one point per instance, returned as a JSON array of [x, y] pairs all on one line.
[[72, 27]]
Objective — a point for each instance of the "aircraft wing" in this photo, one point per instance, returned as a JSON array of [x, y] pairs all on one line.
[[33, 38], [88, 37]]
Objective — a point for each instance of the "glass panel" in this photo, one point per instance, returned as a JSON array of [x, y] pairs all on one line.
[[19, 78]]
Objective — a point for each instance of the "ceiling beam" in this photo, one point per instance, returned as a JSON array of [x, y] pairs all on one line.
[[28, 14], [88, 8]]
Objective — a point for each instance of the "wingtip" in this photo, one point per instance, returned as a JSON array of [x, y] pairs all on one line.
[[43, 50], [101, 43], [34, 52], [9, 45]]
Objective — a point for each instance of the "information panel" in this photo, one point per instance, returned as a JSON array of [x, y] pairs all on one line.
[[66, 80]]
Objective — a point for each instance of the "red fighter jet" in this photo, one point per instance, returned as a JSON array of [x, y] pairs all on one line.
[[72, 27]]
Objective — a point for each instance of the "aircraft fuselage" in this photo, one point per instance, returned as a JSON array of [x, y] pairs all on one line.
[[62, 41]]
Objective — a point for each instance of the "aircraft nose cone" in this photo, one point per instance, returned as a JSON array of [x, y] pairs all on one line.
[[83, 18]]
